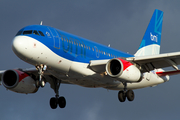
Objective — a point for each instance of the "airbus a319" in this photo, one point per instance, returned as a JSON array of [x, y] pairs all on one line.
[[60, 57]]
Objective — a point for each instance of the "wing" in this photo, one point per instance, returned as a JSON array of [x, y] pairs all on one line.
[[34, 73], [98, 65], [148, 63]]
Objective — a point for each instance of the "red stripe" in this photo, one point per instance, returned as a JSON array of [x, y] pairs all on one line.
[[21, 74], [125, 63], [168, 73]]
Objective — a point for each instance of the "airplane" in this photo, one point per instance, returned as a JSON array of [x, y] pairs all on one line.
[[60, 57]]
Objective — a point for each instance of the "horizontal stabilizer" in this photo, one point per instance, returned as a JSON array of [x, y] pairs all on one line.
[[168, 73]]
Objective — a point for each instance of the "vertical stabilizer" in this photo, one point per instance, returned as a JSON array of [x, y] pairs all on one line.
[[150, 44]]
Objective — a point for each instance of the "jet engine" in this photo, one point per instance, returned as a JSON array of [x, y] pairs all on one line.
[[18, 81], [123, 70]]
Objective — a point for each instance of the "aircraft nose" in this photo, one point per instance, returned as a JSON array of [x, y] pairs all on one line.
[[19, 45]]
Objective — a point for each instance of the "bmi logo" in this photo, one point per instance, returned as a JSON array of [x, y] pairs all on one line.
[[153, 37]]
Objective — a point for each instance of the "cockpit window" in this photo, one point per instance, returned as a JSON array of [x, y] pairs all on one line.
[[26, 32], [41, 33], [19, 33], [35, 32]]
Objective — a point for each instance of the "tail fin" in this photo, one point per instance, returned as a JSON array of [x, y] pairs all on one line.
[[150, 44]]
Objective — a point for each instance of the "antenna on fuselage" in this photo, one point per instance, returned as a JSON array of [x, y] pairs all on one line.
[[109, 45], [41, 23]]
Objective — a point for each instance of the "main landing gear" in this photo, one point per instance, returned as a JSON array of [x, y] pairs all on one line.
[[55, 101], [129, 94]]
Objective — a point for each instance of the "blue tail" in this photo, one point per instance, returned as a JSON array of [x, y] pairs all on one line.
[[150, 44]]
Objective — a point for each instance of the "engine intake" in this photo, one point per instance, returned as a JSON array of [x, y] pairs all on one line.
[[10, 79], [123, 70], [18, 81]]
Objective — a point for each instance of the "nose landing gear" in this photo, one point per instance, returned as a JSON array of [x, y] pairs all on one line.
[[40, 82]]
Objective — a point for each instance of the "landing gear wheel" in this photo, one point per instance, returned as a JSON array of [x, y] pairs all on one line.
[[53, 103], [62, 102], [130, 95], [121, 96], [42, 83]]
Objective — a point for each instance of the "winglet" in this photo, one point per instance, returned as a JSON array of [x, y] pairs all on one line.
[[150, 44]]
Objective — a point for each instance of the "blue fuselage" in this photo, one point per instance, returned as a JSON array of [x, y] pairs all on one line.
[[69, 46]]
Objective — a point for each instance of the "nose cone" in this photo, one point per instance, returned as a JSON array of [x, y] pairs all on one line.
[[19, 46]]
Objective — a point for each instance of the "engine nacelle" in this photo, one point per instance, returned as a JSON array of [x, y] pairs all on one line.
[[123, 70], [19, 82]]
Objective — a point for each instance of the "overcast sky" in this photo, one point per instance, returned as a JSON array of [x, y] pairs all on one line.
[[120, 23]]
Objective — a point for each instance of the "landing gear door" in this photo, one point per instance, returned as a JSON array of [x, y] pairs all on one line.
[[56, 38]]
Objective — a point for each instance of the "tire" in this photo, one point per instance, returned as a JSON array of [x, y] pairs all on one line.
[[53, 103], [42, 83], [62, 102], [130, 95], [121, 96]]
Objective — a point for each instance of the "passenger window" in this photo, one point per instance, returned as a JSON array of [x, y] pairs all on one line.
[[35, 32], [41, 33], [27, 32]]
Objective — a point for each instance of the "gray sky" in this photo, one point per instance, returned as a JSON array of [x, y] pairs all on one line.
[[120, 23]]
